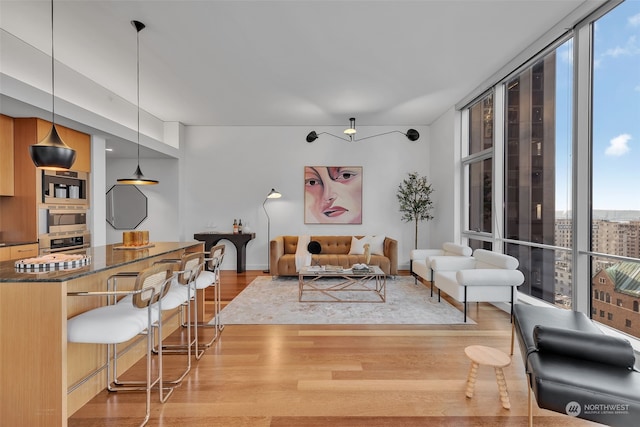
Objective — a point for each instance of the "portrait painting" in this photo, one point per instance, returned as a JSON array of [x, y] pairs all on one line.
[[333, 194]]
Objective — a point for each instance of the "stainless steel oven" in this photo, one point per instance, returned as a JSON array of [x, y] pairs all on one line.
[[59, 242], [63, 227], [65, 219]]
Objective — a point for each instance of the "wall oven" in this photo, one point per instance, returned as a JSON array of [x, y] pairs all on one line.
[[61, 220], [63, 227], [49, 243]]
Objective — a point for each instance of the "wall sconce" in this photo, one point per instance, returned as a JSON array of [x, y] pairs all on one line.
[[412, 134]]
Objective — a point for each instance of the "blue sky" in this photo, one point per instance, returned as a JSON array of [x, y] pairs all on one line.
[[616, 112]]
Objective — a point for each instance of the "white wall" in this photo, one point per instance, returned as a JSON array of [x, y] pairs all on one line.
[[444, 165], [162, 199], [228, 172]]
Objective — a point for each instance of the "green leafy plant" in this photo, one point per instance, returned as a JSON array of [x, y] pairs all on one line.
[[414, 196]]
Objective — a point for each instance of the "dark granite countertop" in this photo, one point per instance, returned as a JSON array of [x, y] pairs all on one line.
[[102, 258]]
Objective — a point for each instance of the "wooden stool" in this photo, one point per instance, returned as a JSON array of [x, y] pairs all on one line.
[[482, 355]]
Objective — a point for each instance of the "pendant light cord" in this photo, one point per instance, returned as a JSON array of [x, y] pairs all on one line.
[[53, 86], [138, 86]]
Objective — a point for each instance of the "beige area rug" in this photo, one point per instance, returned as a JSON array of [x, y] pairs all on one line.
[[268, 301]]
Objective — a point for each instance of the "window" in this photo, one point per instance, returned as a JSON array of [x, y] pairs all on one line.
[[627, 323], [479, 166], [615, 173], [537, 169], [480, 179], [561, 209], [481, 125]]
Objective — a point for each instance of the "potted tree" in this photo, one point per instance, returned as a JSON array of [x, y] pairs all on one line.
[[414, 196]]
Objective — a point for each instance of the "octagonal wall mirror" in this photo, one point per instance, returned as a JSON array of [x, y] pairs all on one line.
[[126, 207]]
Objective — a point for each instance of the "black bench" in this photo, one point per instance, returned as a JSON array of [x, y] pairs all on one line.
[[574, 368]]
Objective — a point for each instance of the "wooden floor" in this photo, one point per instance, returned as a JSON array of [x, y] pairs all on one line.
[[335, 375]]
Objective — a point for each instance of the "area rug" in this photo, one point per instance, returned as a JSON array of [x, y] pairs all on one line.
[[268, 301]]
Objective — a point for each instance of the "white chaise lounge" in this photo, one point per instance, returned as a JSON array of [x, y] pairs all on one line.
[[421, 259], [485, 277]]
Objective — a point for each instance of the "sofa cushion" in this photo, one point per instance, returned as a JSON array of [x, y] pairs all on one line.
[[595, 347], [454, 249], [490, 259], [376, 245]]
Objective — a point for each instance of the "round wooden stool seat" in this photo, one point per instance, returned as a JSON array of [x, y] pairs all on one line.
[[483, 355]]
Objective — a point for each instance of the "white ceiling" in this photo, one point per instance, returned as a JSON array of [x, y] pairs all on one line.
[[307, 63]]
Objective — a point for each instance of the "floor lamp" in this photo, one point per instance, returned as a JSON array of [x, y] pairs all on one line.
[[273, 194]]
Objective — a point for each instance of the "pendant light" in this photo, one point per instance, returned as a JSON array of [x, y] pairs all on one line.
[[138, 178], [52, 153]]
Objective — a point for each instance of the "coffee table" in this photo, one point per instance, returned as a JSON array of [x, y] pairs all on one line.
[[344, 285]]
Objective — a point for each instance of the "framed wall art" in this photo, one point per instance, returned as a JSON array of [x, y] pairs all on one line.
[[333, 194]]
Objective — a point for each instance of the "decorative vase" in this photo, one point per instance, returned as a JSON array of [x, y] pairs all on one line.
[[367, 254]]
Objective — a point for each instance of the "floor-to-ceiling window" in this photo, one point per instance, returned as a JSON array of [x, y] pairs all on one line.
[[615, 215], [538, 173], [478, 167], [568, 168]]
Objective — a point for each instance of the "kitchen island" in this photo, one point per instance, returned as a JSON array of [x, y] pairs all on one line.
[[37, 365]]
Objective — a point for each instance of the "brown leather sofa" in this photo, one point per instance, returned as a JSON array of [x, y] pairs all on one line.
[[335, 251]]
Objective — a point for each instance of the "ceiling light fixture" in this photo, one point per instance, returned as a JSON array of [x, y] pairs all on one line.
[[52, 153], [412, 134], [138, 178]]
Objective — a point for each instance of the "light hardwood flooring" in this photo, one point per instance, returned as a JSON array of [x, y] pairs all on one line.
[[335, 375]]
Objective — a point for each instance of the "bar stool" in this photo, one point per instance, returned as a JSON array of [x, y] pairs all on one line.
[[212, 278], [118, 323], [181, 293], [199, 279]]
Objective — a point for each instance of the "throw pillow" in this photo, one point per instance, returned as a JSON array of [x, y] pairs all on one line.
[[376, 245], [357, 245]]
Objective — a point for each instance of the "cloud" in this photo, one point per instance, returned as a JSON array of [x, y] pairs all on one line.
[[619, 145], [635, 20], [630, 48]]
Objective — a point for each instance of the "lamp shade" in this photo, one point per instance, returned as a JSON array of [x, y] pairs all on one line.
[[273, 194], [137, 179], [52, 153]]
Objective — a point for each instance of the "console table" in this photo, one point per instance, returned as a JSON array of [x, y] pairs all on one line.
[[239, 240]]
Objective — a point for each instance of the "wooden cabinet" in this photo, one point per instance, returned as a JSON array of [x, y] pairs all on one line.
[[6, 156], [19, 214], [24, 251], [18, 251]]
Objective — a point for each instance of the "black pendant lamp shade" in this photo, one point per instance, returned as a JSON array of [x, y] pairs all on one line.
[[52, 153], [138, 177]]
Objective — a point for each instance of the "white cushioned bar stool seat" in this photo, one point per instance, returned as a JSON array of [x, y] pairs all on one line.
[[138, 313]]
